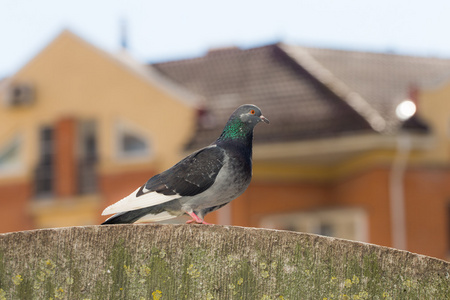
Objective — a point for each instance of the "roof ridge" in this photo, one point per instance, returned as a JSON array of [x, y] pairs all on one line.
[[335, 85], [381, 53], [150, 74]]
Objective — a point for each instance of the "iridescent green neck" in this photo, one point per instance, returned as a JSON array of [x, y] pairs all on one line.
[[235, 129]]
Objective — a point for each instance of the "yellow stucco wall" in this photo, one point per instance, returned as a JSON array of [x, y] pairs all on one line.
[[72, 78], [434, 107]]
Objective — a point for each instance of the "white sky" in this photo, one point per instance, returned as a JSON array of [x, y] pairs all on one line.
[[173, 29]]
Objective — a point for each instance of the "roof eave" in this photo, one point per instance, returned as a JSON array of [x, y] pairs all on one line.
[[335, 149]]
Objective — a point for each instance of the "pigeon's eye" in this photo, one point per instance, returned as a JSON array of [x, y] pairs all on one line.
[[252, 112]]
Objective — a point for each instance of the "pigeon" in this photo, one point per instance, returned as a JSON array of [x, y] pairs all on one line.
[[202, 182]]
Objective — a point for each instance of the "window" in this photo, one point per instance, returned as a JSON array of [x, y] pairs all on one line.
[[19, 94], [132, 142], [44, 172], [10, 161], [347, 223], [88, 156]]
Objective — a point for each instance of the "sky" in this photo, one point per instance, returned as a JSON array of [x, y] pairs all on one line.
[[175, 29]]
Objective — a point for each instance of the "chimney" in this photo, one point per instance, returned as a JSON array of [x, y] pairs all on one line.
[[414, 94]]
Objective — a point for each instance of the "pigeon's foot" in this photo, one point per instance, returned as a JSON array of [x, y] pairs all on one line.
[[196, 219], [201, 222]]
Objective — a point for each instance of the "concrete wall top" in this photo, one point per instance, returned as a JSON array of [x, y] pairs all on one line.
[[209, 262]]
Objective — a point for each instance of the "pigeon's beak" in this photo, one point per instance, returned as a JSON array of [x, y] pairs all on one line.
[[264, 119]]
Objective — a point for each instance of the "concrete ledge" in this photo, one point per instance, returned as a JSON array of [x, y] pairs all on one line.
[[209, 262]]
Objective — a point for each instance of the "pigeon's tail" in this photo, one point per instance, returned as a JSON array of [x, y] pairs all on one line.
[[140, 215], [121, 218]]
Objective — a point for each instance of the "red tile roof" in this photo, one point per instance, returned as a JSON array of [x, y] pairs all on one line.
[[306, 93]]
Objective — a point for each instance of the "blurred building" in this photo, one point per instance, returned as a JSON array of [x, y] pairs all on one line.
[[341, 156], [80, 129]]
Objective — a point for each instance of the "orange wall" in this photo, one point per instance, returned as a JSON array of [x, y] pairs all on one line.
[[369, 190], [427, 197], [13, 203], [264, 198]]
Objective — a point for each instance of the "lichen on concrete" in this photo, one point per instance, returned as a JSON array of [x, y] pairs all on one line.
[[208, 262]]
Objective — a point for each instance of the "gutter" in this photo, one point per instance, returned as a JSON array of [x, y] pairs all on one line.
[[330, 147], [397, 191]]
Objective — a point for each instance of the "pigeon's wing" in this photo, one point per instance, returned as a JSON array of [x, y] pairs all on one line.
[[191, 176]]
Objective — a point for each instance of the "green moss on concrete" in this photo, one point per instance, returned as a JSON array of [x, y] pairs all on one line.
[[119, 269], [3, 273], [209, 262]]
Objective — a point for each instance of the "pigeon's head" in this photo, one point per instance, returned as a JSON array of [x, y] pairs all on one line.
[[249, 114], [241, 123]]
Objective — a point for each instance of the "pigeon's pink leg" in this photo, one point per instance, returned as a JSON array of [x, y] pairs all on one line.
[[196, 219]]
